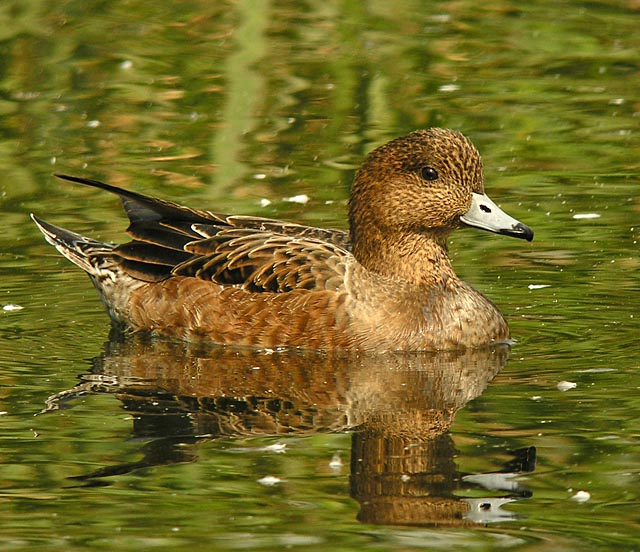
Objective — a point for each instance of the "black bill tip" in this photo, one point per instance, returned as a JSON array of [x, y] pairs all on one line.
[[519, 230]]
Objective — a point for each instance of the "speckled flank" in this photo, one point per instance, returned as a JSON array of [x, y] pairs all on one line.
[[386, 285]]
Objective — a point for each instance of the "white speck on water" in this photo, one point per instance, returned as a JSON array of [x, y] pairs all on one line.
[[581, 496], [404, 477], [538, 286], [566, 385], [440, 17], [300, 198], [264, 202], [336, 463], [616, 101], [269, 480], [276, 447], [12, 307], [94, 123], [259, 176], [126, 65], [289, 541], [597, 370], [581, 216], [536, 398], [449, 87]]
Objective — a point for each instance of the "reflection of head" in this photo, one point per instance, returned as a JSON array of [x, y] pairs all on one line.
[[398, 481]]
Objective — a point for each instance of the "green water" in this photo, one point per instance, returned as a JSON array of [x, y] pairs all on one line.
[[153, 446]]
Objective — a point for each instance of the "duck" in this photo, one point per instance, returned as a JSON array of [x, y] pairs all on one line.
[[386, 284]]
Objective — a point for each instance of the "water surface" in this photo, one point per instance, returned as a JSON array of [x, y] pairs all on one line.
[[129, 445]]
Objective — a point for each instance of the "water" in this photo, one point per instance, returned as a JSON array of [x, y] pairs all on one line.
[[150, 445]]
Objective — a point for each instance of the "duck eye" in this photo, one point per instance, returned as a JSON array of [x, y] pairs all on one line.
[[429, 173]]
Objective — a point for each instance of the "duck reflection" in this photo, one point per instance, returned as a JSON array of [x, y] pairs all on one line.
[[398, 407]]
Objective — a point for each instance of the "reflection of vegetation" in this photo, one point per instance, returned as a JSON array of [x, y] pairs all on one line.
[[203, 96]]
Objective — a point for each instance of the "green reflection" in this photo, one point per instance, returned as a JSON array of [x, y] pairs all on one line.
[[190, 100]]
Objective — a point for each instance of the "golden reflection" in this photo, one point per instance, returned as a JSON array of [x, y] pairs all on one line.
[[399, 408]]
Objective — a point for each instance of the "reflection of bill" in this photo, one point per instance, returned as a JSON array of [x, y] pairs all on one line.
[[398, 406], [486, 510]]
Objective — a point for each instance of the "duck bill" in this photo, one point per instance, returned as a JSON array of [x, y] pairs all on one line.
[[485, 214]]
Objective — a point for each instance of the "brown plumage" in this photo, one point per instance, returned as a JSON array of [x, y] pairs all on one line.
[[386, 285]]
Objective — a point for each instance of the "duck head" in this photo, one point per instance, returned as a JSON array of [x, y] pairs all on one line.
[[419, 188]]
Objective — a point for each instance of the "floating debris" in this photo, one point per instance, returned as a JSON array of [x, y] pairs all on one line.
[[9, 307], [579, 216], [264, 202], [538, 286], [566, 385]]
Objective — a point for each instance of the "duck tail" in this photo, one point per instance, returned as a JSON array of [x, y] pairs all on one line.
[[80, 250], [141, 208]]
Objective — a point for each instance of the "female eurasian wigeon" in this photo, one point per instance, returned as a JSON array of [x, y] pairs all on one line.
[[387, 284]]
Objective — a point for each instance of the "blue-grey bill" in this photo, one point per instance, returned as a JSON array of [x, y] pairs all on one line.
[[486, 215]]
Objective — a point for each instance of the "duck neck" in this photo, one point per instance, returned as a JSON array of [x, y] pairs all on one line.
[[416, 258]]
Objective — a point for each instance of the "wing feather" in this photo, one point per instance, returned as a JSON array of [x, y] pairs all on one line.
[[265, 262], [254, 253]]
